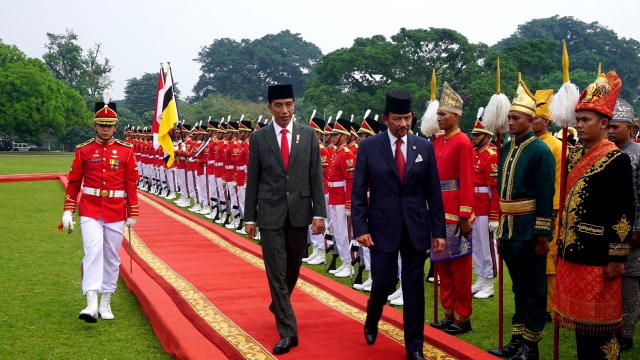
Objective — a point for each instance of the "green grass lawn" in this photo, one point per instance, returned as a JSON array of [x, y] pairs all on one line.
[[40, 292]]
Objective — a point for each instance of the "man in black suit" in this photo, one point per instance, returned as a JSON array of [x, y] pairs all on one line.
[[284, 195], [403, 214]]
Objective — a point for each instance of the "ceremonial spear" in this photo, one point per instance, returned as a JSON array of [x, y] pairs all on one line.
[[495, 120], [563, 113]]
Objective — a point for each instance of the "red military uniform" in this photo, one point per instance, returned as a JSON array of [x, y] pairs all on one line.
[[109, 173], [454, 155], [219, 158], [325, 158], [230, 160], [485, 176], [241, 163], [341, 177], [210, 153]]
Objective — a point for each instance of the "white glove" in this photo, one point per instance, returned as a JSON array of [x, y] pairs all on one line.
[[67, 221], [493, 225], [348, 212], [131, 221], [175, 147]]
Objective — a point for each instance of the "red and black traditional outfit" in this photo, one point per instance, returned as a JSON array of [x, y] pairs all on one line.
[[596, 229]]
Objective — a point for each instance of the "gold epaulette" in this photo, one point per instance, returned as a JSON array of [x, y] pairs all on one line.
[[84, 143], [491, 150], [346, 149], [322, 146], [124, 143]]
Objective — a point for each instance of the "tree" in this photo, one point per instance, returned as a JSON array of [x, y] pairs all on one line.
[[140, 94], [243, 70], [82, 72], [588, 44], [32, 101]]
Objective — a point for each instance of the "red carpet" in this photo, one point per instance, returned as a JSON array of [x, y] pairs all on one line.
[[205, 293]]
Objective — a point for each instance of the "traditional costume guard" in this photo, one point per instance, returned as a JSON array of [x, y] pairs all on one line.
[[596, 228], [526, 174], [454, 155]]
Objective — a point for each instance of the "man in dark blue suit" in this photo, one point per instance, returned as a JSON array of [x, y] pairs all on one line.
[[404, 213]]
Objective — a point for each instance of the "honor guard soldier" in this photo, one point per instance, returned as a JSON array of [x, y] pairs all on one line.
[[454, 155], [526, 174], [210, 153], [107, 169], [230, 160], [340, 182], [368, 128], [184, 201], [244, 131], [219, 172], [318, 255], [485, 209]]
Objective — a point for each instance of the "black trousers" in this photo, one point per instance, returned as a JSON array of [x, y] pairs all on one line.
[[282, 251], [384, 271]]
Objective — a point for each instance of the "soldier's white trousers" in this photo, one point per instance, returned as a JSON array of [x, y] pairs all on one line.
[[242, 192], [484, 250], [101, 242], [181, 180], [201, 181], [340, 232]]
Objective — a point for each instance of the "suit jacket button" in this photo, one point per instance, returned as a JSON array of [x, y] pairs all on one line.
[[287, 193]]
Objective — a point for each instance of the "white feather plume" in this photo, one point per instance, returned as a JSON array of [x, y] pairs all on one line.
[[351, 118], [329, 121], [429, 122], [375, 117], [495, 114], [313, 114], [106, 96], [480, 111], [563, 104], [241, 118], [339, 114], [366, 114], [209, 119], [222, 120], [259, 118]]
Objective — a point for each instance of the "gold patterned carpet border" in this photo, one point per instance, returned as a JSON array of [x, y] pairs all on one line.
[[250, 348]]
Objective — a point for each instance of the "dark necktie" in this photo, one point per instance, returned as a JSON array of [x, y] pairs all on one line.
[[284, 149], [400, 160]]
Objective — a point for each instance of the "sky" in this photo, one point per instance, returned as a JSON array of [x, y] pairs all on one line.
[[136, 36]]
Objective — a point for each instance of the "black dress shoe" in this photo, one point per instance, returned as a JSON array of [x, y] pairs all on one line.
[[415, 356], [442, 324], [457, 329], [527, 351], [285, 344], [510, 349], [370, 335]]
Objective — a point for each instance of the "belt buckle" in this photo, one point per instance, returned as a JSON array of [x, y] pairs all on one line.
[[104, 193]]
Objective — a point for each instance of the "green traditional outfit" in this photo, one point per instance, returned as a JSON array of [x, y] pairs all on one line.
[[526, 187]]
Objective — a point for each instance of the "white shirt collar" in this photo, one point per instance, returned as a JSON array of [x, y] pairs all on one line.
[[278, 129]]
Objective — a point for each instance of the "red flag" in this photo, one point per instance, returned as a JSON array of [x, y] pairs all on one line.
[[157, 113]]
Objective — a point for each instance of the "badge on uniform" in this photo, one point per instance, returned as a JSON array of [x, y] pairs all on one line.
[[419, 158], [113, 164]]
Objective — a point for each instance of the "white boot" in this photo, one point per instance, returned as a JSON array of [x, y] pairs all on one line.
[[206, 210], [478, 285], [195, 208], [320, 258], [233, 223], [366, 286], [333, 272], [311, 256], [487, 290], [90, 313], [399, 301], [105, 306], [172, 195], [396, 294], [347, 271]]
